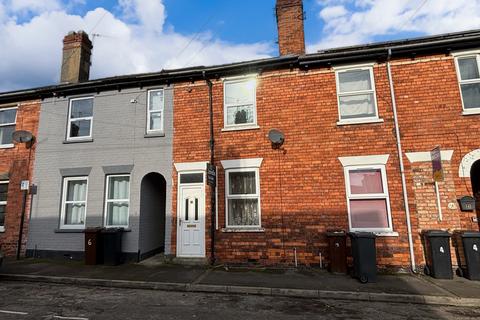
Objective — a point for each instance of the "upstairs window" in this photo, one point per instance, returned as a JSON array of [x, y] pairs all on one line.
[[80, 117], [117, 201], [156, 103], [356, 95], [74, 203], [240, 103], [469, 80], [8, 118], [3, 203]]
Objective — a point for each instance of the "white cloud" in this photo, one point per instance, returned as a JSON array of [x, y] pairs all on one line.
[[365, 20], [31, 50], [332, 12], [33, 6], [151, 14]]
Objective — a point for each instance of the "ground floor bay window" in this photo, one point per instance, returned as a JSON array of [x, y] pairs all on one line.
[[242, 193], [367, 193]]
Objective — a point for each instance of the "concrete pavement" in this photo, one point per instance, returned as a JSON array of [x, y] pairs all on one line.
[[307, 283]]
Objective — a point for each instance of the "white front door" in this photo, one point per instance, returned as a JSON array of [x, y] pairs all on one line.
[[191, 222]]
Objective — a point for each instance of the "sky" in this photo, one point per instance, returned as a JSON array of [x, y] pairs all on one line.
[[135, 36]]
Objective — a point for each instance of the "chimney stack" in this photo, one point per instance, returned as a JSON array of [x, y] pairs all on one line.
[[290, 16], [77, 50]]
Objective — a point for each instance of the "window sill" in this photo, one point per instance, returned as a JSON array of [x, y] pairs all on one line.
[[154, 134], [6, 146], [239, 128], [2, 229], [363, 121], [243, 229], [78, 141], [386, 234], [471, 112], [380, 233], [79, 230]]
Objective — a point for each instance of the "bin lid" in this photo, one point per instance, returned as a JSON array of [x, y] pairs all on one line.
[[437, 233], [112, 230], [93, 229], [336, 233], [362, 234], [470, 234]]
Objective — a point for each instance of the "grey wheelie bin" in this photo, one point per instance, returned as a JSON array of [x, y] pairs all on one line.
[[364, 256]]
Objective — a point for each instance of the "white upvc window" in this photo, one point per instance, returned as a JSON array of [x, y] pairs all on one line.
[[8, 120], [117, 200], [468, 73], [74, 203], [3, 203], [80, 119], [357, 102], [239, 97], [242, 198], [368, 198], [155, 111]]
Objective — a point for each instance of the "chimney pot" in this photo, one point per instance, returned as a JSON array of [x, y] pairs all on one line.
[[77, 51], [291, 37]]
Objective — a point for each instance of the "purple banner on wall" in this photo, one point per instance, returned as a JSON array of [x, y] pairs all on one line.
[[437, 164]]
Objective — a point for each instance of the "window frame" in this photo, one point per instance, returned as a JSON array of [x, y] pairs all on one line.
[[155, 131], [70, 120], [242, 126], [472, 54], [106, 200], [64, 203], [370, 196], [228, 196], [4, 203], [9, 145], [373, 91]]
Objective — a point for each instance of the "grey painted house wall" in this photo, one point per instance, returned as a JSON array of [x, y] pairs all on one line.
[[119, 144]]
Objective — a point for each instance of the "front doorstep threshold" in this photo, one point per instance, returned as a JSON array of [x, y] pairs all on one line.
[[190, 261], [264, 291]]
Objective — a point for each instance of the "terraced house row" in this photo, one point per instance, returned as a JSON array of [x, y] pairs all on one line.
[[141, 152]]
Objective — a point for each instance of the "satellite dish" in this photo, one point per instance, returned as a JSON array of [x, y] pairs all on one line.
[[276, 137], [22, 136]]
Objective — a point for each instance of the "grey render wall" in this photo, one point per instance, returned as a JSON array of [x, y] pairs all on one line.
[[119, 128]]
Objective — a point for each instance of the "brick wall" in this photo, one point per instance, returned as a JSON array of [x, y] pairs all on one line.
[[302, 185], [18, 163], [430, 115]]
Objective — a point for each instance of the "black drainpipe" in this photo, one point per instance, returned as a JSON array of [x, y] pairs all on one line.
[[212, 159]]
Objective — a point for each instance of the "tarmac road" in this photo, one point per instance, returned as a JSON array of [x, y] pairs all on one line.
[[24, 300]]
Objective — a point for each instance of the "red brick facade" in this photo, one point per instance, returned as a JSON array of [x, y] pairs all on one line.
[[430, 115], [17, 163], [302, 185]]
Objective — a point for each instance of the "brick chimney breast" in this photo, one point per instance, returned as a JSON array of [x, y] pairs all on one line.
[[291, 37], [77, 51]]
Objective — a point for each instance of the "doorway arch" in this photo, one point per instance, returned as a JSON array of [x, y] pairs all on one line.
[[475, 179], [153, 190]]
